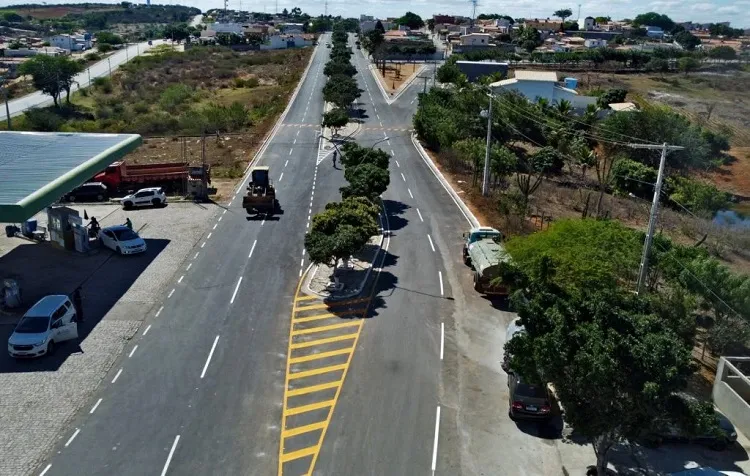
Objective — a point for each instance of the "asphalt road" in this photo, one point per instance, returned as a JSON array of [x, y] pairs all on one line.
[[102, 68], [201, 393]]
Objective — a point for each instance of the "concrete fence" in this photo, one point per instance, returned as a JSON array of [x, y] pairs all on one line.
[[731, 392]]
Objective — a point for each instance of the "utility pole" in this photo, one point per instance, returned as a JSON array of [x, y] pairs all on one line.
[[89, 71], [643, 271], [7, 108], [325, 14], [486, 178], [109, 62]]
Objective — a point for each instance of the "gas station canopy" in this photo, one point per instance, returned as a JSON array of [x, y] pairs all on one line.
[[37, 168]]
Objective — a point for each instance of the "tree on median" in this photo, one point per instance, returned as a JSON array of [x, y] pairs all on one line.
[[335, 119], [52, 74], [365, 180], [354, 154], [339, 67], [341, 90]]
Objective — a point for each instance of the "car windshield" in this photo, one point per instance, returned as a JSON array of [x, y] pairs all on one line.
[[485, 234], [125, 235], [532, 391], [33, 325]]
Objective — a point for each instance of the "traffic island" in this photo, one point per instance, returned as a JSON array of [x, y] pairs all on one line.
[[352, 276]]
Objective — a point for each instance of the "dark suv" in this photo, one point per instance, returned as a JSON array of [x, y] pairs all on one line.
[[528, 401], [88, 192]]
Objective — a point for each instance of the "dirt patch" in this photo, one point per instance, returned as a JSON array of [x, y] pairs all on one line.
[[735, 177], [397, 74]]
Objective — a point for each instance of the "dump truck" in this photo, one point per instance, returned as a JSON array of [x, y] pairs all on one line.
[[482, 251], [261, 196], [171, 176]]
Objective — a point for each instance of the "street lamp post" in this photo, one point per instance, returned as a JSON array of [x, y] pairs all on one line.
[[109, 62], [486, 177]]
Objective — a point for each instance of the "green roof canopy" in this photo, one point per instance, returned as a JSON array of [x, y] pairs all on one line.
[[37, 168]]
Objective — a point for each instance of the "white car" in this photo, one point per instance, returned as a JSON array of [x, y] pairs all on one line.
[[153, 196], [50, 321], [122, 240]]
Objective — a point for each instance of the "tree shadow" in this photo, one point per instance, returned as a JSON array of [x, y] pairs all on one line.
[[633, 458], [395, 209]]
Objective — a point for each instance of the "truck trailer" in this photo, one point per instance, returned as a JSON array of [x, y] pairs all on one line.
[[171, 176], [483, 251]]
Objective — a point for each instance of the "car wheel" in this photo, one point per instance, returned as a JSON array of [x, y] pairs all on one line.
[[477, 284], [156, 202], [51, 347], [127, 205], [72, 198], [118, 251], [100, 198]]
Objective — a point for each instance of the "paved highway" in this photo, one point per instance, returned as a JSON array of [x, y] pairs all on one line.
[[102, 68]]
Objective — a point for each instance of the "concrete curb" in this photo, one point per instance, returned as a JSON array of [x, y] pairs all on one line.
[[391, 99], [473, 221]]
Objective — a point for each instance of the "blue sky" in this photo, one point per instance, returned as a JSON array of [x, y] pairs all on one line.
[[736, 11]]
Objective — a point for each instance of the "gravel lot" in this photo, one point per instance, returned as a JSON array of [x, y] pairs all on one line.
[[39, 398]]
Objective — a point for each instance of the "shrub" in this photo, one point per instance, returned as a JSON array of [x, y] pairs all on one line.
[[633, 177], [104, 47], [43, 120], [93, 56], [697, 197], [246, 83], [174, 96], [729, 336], [104, 84]]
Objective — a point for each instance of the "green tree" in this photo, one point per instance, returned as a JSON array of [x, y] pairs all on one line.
[[700, 198], [335, 119], [563, 13], [431, 24], [630, 176], [449, 73], [688, 64], [12, 17], [528, 38], [366, 180], [354, 155], [654, 19], [339, 67], [687, 40], [411, 20], [602, 20], [177, 32], [341, 90], [722, 52], [657, 65], [52, 74], [611, 96], [106, 37]]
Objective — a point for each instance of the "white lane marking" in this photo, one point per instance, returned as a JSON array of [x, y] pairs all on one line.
[[147, 329], [410, 194], [420, 215], [181, 278], [221, 216], [196, 254], [295, 141], [412, 101], [435, 442], [117, 376], [70, 440], [397, 164], [402, 176], [215, 225], [281, 176], [302, 262], [96, 405], [209, 236], [263, 222], [159, 311], [440, 275], [210, 354], [393, 153], [132, 352], [169, 458], [381, 123], [190, 265], [252, 249], [442, 339], [300, 273], [170, 293], [429, 238], [203, 244], [298, 132], [291, 150], [376, 113], [236, 288], [230, 202], [225, 211], [45, 470], [286, 163]]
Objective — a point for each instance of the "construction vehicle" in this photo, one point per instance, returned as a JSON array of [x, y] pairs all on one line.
[[482, 250], [261, 196], [171, 176]]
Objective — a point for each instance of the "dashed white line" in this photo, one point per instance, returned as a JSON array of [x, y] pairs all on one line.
[[389, 143], [298, 132], [281, 176], [196, 254], [190, 265], [402, 176], [381, 123], [300, 272], [169, 458], [435, 442], [96, 405], [397, 164], [170, 293], [440, 275], [412, 101], [224, 212], [221, 216], [45, 470], [393, 153], [286, 163], [215, 225], [209, 236], [302, 262], [442, 339], [410, 194], [429, 238], [147, 329], [181, 278], [420, 215], [132, 351], [159, 311], [236, 288], [117, 376], [291, 150], [263, 222], [252, 249], [203, 244], [70, 440]]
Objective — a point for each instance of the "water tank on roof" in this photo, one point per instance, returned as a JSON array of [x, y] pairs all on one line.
[[571, 83]]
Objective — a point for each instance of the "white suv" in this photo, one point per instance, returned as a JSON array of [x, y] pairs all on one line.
[[153, 196]]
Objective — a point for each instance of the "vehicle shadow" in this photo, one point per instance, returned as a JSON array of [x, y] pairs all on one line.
[[674, 457], [548, 430], [103, 276]]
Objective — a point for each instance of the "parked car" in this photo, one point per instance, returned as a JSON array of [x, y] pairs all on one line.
[[50, 321], [153, 196], [528, 401], [122, 240], [88, 192], [673, 433]]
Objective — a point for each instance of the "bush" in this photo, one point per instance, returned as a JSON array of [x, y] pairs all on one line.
[[697, 197], [156, 123], [92, 56], [174, 96], [728, 336], [43, 120], [633, 177], [104, 47], [104, 84], [246, 83]]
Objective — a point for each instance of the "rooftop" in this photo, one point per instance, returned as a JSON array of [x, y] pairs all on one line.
[[524, 75]]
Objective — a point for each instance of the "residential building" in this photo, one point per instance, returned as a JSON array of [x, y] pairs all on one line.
[[280, 42], [475, 39], [588, 24], [75, 42], [235, 28], [369, 25], [366, 18], [476, 69], [655, 32], [468, 29], [543, 25], [544, 84], [595, 43], [395, 35], [289, 28]]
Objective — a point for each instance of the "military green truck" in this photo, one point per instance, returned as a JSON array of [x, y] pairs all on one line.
[[482, 251]]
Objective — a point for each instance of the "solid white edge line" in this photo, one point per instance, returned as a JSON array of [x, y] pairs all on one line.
[[147, 329], [442, 339], [435, 441], [440, 275], [117, 376], [159, 311], [210, 354], [236, 288], [70, 440], [420, 215], [44, 471], [252, 248], [96, 405], [132, 351], [169, 458], [429, 238], [410, 194]]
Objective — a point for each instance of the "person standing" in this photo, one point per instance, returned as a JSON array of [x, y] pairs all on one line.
[[78, 304]]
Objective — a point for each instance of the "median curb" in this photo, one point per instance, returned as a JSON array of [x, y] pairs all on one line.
[[401, 89], [465, 210]]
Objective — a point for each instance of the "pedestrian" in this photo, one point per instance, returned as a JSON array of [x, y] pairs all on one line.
[[335, 154], [78, 304], [129, 223]]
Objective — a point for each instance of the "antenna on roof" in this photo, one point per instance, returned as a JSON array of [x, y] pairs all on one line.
[[474, 5], [579, 12]]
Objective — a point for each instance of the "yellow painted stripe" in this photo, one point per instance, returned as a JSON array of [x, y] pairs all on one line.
[[312, 306], [331, 327], [332, 304], [310, 450], [305, 298], [303, 429], [321, 355], [309, 408], [314, 318], [312, 388], [327, 340], [319, 371]]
